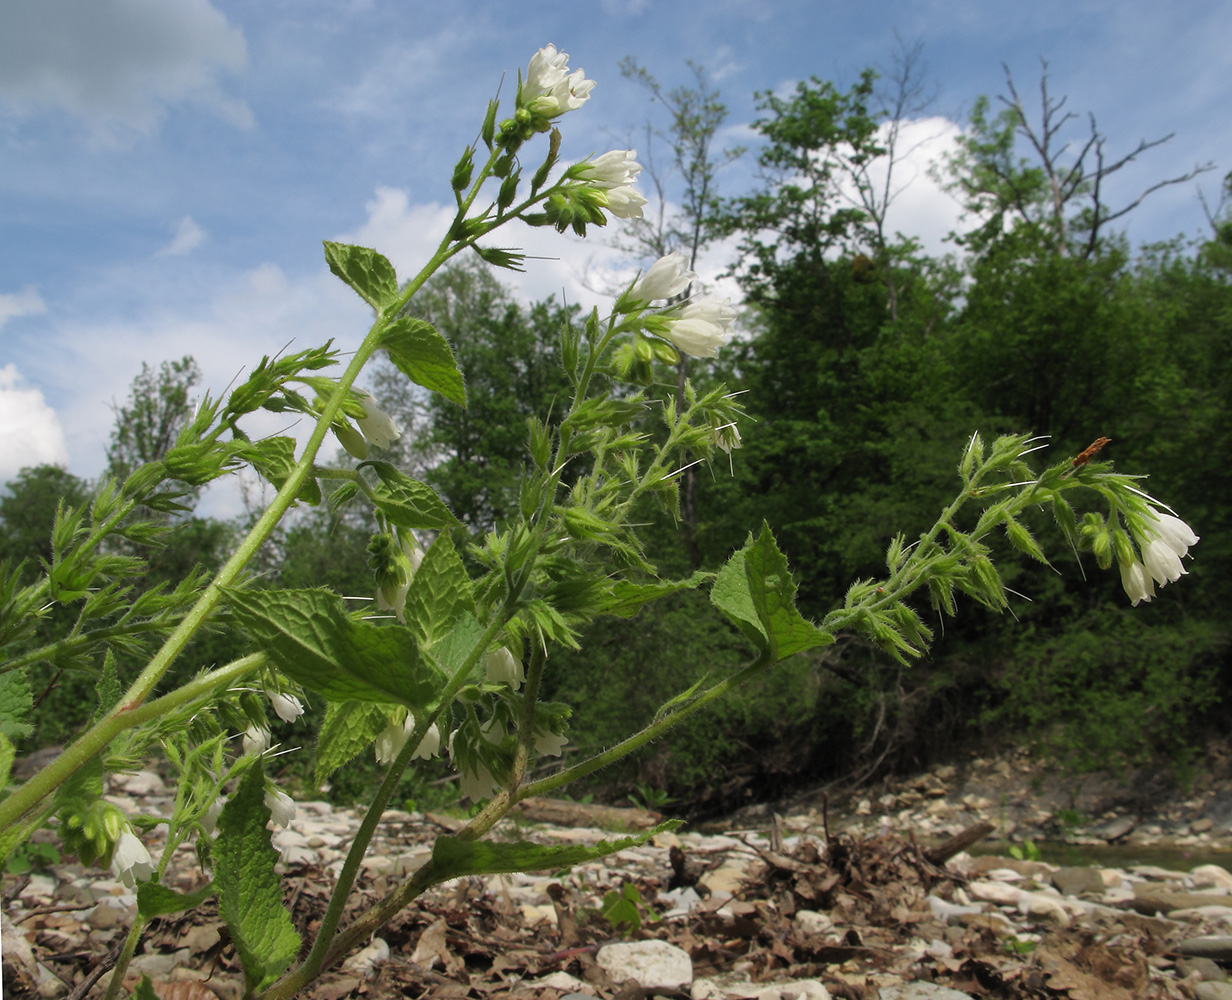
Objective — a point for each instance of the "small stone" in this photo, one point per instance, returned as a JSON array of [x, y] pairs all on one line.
[[104, 917], [1076, 881], [1114, 829], [1201, 825], [1215, 947], [1213, 991], [1204, 967], [723, 880], [921, 991], [811, 922], [1215, 875], [140, 783], [651, 963]]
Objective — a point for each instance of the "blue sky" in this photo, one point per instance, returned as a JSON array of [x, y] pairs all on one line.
[[170, 167]]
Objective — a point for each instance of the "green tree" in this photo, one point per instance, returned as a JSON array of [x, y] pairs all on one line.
[[159, 405], [27, 510]]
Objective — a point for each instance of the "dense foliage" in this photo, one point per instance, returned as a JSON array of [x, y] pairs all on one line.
[[866, 365]]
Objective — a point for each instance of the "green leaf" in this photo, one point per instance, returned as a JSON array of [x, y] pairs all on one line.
[[452, 858], [348, 728], [145, 989], [154, 900], [755, 590], [627, 598], [365, 270], [440, 594], [16, 703], [274, 458], [424, 356], [311, 638], [249, 893], [108, 687], [407, 502], [7, 755]]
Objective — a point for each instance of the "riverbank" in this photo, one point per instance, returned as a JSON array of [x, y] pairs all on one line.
[[813, 904]]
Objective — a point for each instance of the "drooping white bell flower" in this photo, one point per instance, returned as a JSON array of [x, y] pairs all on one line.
[[281, 807], [500, 667], [377, 426], [701, 326], [286, 706], [130, 861]]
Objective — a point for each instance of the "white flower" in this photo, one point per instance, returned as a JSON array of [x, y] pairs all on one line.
[[209, 818], [1135, 581], [549, 88], [394, 736], [281, 807], [727, 437], [429, 746], [549, 744], [1163, 540], [391, 592], [479, 785], [624, 202], [702, 326], [390, 741], [667, 277], [286, 706], [501, 668], [130, 861], [376, 426], [256, 739], [613, 169], [547, 68]]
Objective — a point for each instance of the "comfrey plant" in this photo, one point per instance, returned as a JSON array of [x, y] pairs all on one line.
[[442, 661]]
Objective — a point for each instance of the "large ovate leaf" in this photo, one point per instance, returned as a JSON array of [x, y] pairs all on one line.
[[626, 599], [155, 900], [249, 891], [365, 270], [424, 356], [407, 502], [452, 857], [349, 727], [16, 703], [310, 637], [756, 592], [440, 594]]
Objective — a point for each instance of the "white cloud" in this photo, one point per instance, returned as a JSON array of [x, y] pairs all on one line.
[[27, 302], [118, 64], [921, 206], [30, 428], [188, 236]]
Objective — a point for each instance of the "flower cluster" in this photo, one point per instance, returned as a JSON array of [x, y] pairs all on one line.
[[612, 179], [698, 326], [1163, 540], [549, 89], [394, 559], [394, 736]]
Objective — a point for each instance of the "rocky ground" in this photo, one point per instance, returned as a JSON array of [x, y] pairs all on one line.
[[858, 899]]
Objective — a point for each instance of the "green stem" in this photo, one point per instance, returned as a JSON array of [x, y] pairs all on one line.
[[45, 781], [126, 956], [316, 958]]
